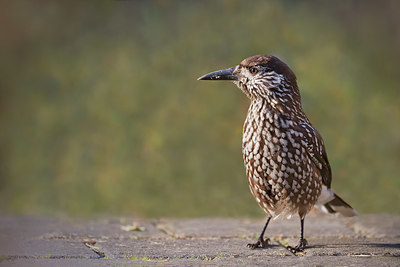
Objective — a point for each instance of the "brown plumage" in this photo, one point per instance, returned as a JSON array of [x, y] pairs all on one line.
[[286, 163]]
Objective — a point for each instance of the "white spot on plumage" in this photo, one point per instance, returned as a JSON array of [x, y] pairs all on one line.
[[283, 142]]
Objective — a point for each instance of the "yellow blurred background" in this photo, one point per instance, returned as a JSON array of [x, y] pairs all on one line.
[[101, 112]]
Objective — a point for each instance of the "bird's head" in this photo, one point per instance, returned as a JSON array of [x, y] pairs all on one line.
[[262, 77]]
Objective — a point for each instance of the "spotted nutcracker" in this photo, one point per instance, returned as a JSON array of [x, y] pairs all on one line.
[[286, 163]]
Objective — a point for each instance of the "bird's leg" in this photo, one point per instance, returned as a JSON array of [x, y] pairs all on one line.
[[261, 242], [302, 242]]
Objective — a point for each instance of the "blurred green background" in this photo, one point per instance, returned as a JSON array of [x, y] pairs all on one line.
[[101, 112]]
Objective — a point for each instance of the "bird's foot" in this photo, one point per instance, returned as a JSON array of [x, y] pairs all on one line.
[[300, 247], [261, 243]]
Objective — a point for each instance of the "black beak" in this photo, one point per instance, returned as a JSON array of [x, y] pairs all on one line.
[[226, 74]]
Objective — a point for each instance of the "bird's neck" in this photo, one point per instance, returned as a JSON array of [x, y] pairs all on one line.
[[262, 109]]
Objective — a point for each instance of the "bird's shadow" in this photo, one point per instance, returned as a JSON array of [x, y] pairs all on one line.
[[380, 245], [269, 246]]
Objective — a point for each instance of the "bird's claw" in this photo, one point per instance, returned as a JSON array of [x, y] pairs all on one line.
[[261, 243], [299, 248]]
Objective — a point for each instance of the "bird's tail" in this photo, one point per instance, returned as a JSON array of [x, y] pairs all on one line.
[[338, 205]]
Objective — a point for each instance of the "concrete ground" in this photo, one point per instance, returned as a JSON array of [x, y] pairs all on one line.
[[368, 240]]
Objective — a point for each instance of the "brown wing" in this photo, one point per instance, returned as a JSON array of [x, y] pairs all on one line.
[[316, 151]]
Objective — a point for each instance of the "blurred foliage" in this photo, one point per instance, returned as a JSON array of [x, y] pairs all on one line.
[[101, 111]]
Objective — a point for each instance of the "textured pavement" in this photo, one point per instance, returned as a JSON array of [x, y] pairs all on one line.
[[368, 240]]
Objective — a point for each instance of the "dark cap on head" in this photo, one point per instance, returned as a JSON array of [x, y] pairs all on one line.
[[271, 62]]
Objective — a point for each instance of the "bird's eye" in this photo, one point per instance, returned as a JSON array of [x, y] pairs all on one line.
[[253, 70]]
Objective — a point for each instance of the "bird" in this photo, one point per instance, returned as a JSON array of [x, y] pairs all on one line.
[[286, 163]]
